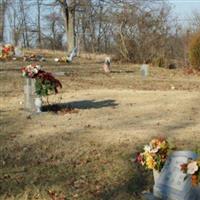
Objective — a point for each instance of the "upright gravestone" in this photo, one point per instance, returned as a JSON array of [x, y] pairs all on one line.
[[29, 95], [18, 52], [173, 184], [72, 54], [107, 64], [144, 69]]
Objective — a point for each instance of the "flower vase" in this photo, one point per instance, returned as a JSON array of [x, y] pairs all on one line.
[[38, 104], [195, 180], [156, 175]]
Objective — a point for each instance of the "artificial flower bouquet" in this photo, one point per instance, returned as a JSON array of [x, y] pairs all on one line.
[[154, 154], [192, 168], [6, 51], [31, 71], [45, 82]]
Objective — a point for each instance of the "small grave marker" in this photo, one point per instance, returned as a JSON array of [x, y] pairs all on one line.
[[107, 64], [173, 183], [18, 52], [144, 69], [72, 55], [59, 73]]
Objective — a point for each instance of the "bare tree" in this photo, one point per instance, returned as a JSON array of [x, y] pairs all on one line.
[[15, 22], [25, 23], [3, 7], [134, 30], [39, 39], [68, 7], [55, 27], [196, 20]]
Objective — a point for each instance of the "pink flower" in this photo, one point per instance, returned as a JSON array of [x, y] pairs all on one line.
[[139, 158]]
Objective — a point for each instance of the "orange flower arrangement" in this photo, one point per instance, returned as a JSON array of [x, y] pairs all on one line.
[[154, 155]]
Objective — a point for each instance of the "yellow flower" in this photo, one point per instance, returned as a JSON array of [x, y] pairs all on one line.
[[150, 162]]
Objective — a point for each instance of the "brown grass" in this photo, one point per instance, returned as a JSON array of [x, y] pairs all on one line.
[[57, 54], [45, 52], [87, 154]]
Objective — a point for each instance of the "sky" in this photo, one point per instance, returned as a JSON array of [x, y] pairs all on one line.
[[184, 9]]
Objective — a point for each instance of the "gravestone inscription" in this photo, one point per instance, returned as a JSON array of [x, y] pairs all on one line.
[[173, 184]]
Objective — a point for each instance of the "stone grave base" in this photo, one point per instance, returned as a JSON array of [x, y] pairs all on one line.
[[149, 196]]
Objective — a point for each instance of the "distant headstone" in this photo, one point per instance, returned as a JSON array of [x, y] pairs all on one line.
[[18, 52], [59, 73], [106, 66], [72, 54], [144, 69], [29, 95], [173, 184]]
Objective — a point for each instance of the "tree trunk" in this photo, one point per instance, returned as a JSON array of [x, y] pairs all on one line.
[[69, 16], [24, 20], [70, 28], [39, 25], [2, 19]]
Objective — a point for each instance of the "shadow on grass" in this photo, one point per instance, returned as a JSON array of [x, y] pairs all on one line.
[[84, 104]]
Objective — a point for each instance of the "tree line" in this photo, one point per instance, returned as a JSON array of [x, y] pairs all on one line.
[[134, 30]]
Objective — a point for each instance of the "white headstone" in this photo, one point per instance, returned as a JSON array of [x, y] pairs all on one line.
[[29, 94], [144, 69], [173, 184], [72, 54], [18, 52], [59, 73], [106, 65]]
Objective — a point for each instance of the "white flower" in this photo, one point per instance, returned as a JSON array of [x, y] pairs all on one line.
[[35, 71], [56, 59], [38, 67], [29, 67], [155, 150], [192, 167], [147, 148]]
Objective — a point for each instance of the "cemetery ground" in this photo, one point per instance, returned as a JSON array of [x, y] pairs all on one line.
[[87, 151]]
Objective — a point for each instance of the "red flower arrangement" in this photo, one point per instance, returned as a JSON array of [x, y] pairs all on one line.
[[45, 81], [6, 51], [48, 78]]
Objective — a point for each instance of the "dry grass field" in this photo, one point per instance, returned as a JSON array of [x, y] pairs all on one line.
[[88, 153]]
